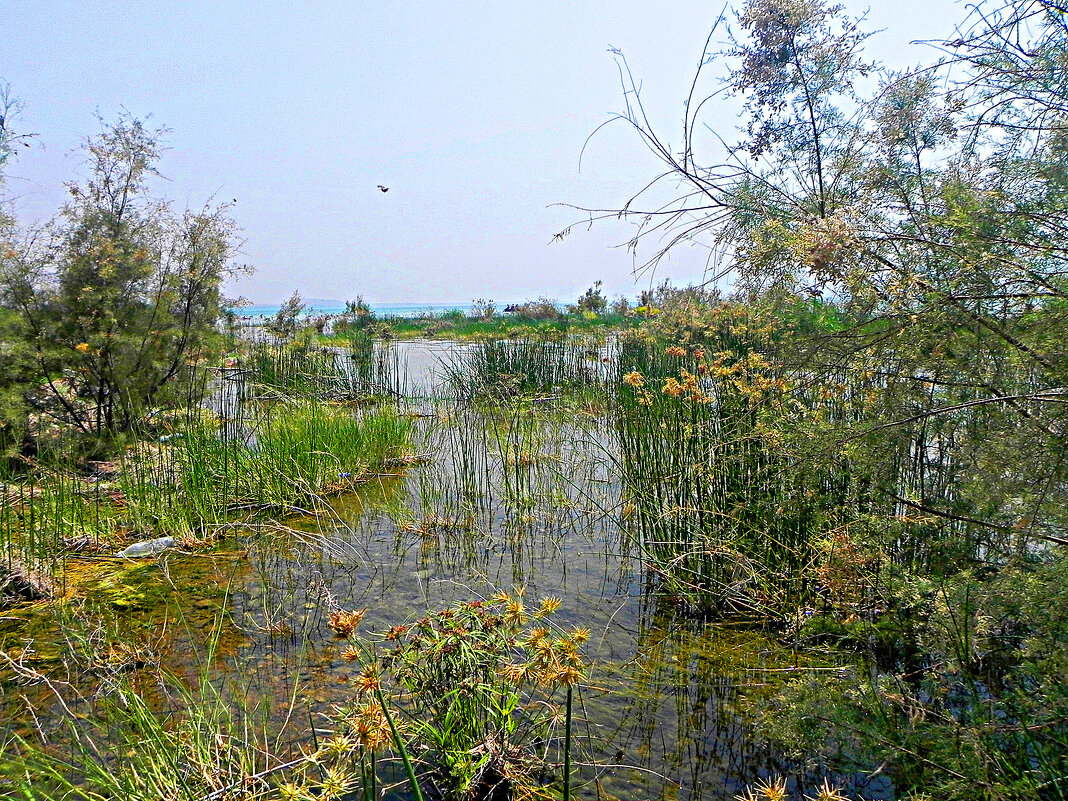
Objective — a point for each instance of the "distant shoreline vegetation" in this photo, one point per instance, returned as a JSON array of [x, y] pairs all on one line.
[[320, 307]]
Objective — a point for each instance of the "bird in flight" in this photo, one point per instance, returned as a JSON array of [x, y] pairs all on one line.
[[383, 188]]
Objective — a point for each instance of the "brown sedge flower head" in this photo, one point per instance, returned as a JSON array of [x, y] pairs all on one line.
[[396, 632], [672, 388], [369, 726], [567, 676], [517, 674], [337, 782], [366, 681], [351, 654], [828, 792], [766, 790], [544, 649], [579, 635], [692, 388], [568, 649], [515, 613], [343, 623], [535, 636]]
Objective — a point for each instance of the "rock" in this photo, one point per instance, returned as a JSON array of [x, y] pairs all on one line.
[[147, 547]]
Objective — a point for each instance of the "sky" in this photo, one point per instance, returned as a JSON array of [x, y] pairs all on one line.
[[474, 114]]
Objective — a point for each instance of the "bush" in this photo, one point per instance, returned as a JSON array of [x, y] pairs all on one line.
[[460, 678]]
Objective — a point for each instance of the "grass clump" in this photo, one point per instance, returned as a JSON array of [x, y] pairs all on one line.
[[294, 452], [502, 369], [302, 367], [284, 457], [142, 733], [729, 523]]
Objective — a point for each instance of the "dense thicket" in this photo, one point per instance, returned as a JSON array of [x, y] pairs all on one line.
[[891, 370]]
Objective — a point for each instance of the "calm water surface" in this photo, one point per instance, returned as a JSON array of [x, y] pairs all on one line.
[[527, 497]]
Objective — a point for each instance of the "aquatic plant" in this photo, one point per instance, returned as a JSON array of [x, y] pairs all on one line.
[[502, 369], [459, 678], [368, 369], [289, 456], [185, 741], [725, 523], [776, 790]]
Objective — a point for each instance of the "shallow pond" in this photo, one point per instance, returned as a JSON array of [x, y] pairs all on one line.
[[522, 497]]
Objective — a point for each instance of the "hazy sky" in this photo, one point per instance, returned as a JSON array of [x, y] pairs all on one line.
[[472, 113]]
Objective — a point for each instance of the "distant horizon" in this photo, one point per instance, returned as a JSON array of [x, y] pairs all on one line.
[[309, 301], [472, 118]]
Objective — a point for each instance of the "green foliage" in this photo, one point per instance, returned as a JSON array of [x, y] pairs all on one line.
[[299, 451], [17, 372], [201, 745], [592, 302], [125, 299], [540, 309], [729, 513], [902, 258], [200, 477], [499, 368], [459, 677], [301, 367], [284, 324], [978, 713]]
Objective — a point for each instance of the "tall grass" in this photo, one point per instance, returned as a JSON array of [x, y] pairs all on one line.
[[294, 453], [500, 369], [145, 733], [367, 368], [725, 516]]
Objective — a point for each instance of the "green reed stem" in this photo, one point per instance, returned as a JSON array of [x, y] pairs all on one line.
[[408, 769], [567, 746]]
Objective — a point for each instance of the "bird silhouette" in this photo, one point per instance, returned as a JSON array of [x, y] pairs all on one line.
[[383, 188]]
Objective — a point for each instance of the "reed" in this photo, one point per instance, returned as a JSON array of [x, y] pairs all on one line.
[[196, 742], [502, 369], [289, 456], [367, 368], [728, 521]]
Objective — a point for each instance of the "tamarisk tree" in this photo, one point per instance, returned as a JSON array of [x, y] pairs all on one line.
[[119, 296]]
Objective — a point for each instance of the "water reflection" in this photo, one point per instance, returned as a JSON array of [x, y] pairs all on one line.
[[519, 496]]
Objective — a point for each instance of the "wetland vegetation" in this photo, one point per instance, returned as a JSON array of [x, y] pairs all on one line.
[[802, 539]]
